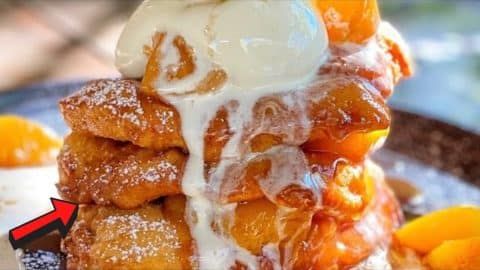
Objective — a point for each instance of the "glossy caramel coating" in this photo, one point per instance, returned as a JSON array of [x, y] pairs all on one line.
[[342, 244], [108, 172], [346, 100], [156, 236], [127, 155], [103, 171], [335, 108]]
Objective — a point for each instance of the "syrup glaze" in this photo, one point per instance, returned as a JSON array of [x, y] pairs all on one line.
[[190, 70]]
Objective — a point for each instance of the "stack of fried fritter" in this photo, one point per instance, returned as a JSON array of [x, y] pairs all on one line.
[[125, 159]]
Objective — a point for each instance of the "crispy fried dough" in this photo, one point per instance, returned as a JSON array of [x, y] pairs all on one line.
[[116, 109], [107, 172], [151, 237], [335, 108], [156, 236], [104, 171]]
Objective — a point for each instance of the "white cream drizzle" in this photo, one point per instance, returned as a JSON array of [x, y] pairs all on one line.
[[273, 254], [214, 249], [196, 111], [282, 47]]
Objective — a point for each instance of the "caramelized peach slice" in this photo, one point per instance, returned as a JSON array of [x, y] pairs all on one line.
[[333, 244], [353, 147], [348, 194], [350, 106], [254, 225], [25, 143], [348, 188], [349, 20], [456, 255], [427, 232]]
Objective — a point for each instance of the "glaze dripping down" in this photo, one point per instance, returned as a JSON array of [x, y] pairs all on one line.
[[276, 49]]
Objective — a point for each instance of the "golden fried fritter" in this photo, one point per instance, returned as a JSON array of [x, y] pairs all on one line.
[[104, 171], [156, 236], [116, 109], [148, 238], [107, 172], [335, 108]]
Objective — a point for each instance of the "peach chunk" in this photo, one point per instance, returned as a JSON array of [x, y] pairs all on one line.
[[349, 120], [427, 232], [349, 20], [25, 143], [456, 255], [354, 146], [254, 225]]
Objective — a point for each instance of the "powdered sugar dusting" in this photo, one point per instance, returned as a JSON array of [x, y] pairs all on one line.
[[165, 117], [116, 172], [164, 170], [134, 227], [119, 97]]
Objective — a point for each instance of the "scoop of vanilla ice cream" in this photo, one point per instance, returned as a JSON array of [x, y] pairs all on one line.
[[257, 42]]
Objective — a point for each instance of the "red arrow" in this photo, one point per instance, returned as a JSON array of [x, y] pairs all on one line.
[[61, 218]]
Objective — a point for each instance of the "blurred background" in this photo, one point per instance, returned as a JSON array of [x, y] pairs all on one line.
[[47, 40]]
